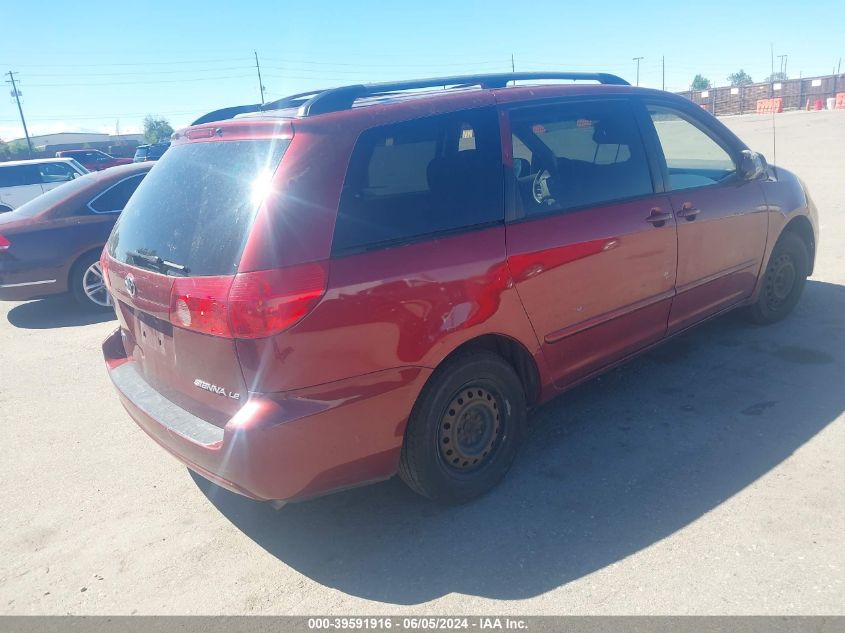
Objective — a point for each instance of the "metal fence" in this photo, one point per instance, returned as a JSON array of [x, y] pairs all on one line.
[[742, 99]]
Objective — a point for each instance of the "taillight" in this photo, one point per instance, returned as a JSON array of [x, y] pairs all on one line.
[[248, 305], [4, 243], [199, 304], [104, 267], [266, 302]]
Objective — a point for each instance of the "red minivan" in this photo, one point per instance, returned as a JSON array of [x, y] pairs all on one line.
[[343, 285]]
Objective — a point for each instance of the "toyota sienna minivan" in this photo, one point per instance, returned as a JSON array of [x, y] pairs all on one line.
[[343, 285]]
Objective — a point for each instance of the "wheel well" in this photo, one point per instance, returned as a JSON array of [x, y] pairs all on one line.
[[801, 227], [515, 354]]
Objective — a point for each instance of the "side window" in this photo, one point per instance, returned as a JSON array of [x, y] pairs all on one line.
[[20, 175], [11, 176], [580, 154], [420, 177], [114, 199], [55, 172], [693, 157]]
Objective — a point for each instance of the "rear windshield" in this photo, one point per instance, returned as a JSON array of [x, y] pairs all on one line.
[[196, 206]]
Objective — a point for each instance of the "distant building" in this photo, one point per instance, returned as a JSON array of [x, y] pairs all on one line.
[[48, 144]]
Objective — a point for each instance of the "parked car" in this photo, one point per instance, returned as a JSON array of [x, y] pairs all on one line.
[[150, 152], [52, 244], [376, 279], [93, 159], [23, 180]]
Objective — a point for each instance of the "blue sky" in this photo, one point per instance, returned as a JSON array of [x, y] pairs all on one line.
[[84, 66]]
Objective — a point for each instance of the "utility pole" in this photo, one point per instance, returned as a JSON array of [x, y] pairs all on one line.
[[663, 66], [772, 50], [637, 59], [17, 96], [513, 66], [782, 59], [260, 83], [839, 66]]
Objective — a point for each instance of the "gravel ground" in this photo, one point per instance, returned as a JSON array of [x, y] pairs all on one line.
[[703, 478]]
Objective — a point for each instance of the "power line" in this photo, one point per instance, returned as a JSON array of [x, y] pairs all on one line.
[[134, 83], [94, 117], [123, 73], [145, 63]]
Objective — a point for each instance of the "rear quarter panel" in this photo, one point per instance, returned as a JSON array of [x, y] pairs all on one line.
[[48, 250], [407, 306]]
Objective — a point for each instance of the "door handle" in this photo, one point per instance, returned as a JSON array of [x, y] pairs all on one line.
[[688, 212], [658, 218]]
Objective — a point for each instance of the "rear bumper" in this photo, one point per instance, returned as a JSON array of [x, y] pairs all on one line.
[[282, 446]]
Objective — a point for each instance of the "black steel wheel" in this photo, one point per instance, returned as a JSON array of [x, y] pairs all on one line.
[[783, 281], [469, 428], [465, 428]]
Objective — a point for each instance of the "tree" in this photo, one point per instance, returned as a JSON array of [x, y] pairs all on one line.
[[700, 82], [156, 129], [740, 78], [778, 76], [16, 150]]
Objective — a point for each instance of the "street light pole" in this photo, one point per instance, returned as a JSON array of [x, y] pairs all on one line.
[[637, 59]]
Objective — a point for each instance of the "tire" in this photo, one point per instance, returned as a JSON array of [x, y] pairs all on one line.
[[82, 276], [465, 428], [784, 280]]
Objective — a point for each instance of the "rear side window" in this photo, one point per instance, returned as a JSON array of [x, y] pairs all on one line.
[[579, 154], [114, 198], [56, 172], [19, 175], [196, 207], [421, 177]]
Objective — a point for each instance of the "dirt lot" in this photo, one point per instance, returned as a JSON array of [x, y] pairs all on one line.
[[705, 477]]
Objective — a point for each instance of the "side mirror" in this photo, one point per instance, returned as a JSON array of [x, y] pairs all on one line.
[[521, 167], [752, 165]]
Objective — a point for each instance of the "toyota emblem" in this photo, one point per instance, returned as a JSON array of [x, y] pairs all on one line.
[[129, 282]]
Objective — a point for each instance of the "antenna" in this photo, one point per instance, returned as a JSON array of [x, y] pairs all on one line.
[[774, 146], [260, 83]]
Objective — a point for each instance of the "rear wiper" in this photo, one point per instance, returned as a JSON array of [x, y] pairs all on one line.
[[157, 263]]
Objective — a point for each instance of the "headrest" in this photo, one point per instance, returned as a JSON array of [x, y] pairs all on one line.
[[447, 173], [611, 132]]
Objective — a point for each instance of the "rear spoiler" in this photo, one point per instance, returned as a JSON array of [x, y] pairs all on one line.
[[226, 113]]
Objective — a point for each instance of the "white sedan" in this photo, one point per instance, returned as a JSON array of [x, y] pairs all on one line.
[[23, 180]]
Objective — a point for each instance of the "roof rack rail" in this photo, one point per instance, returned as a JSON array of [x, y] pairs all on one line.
[[342, 98]]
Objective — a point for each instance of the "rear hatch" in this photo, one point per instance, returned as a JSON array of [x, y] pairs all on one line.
[[172, 260]]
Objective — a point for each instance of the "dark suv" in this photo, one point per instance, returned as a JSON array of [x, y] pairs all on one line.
[[353, 282], [144, 153]]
